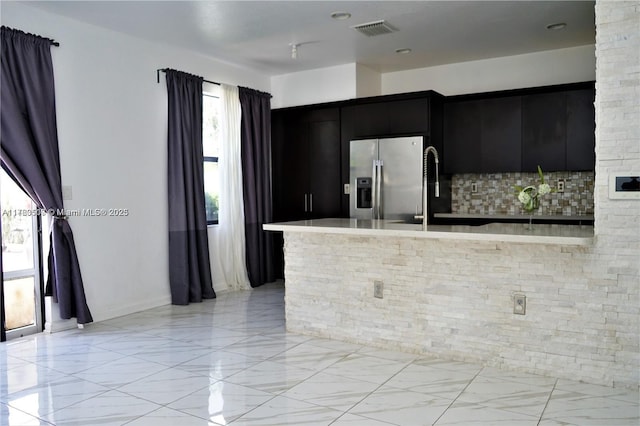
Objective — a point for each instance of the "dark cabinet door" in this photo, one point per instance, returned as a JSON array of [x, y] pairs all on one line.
[[408, 117], [462, 130], [324, 169], [544, 132], [581, 128], [289, 166], [367, 120], [500, 135]]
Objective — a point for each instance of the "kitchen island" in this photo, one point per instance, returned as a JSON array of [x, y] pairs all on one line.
[[450, 291]]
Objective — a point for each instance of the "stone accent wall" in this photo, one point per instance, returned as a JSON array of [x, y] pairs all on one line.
[[454, 299], [496, 193], [617, 222]]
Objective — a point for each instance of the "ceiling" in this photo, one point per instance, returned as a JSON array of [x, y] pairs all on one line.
[[259, 34]]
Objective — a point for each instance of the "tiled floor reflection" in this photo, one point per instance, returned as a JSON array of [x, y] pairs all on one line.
[[229, 361]]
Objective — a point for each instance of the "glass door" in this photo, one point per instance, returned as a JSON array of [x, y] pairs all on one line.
[[22, 285]]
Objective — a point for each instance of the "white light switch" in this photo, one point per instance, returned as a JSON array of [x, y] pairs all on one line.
[[67, 194]]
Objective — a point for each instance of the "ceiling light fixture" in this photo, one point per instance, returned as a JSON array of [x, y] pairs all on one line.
[[557, 26], [403, 50], [341, 16]]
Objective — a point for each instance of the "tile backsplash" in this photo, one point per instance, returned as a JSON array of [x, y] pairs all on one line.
[[496, 194]]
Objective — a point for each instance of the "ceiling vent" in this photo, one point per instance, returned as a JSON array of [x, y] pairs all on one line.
[[371, 29]]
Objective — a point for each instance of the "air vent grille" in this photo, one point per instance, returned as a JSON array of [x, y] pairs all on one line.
[[371, 29]]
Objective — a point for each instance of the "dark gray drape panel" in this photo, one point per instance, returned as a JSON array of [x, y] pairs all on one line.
[[189, 268], [29, 142], [3, 333], [256, 177]]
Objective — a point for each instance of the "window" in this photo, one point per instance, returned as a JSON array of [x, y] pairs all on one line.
[[211, 150]]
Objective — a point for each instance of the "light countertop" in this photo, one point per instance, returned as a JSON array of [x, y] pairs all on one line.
[[499, 232]]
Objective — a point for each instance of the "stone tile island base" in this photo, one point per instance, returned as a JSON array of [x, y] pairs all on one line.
[[455, 299]]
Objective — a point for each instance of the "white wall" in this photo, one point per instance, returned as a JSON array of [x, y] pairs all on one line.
[[112, 127], [368, 82], [314, 86], [571, 65], [546, 68]]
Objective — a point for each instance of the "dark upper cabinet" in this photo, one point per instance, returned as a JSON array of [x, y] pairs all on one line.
[[482, 136], [386, 118], [544, 132], [462, 130], [500, 135], [581, 128], [517, 130]]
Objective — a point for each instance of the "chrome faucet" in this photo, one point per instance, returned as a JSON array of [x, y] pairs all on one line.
[[425, 193]]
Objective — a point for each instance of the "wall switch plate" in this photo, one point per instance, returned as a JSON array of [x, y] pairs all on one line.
[[67, 193], [519, 304], [347, 189], [560, 186], [378, 287], [474, 187]]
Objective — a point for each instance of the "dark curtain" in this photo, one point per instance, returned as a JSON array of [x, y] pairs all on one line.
[[189, 267], [3, 333], [256, 176], [29, 142]]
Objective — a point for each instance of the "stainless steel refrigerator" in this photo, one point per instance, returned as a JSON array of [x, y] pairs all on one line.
[[385, 177]]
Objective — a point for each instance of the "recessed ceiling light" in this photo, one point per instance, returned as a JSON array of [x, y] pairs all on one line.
[[557, 26], [403, 51], [341, 16]]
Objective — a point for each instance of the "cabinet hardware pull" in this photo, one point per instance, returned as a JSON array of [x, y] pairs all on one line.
[[311, 203], [305, 203]]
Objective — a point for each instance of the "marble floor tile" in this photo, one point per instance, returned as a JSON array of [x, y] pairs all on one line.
[[120, 372], [366, 368], [221, 402], [230, 361], [10, 416], [167, 417], [507, 395], [108, 409], [327, 390], [269, 376], [580, 409], [310, 357], [54, 395], [26, 377], [466, 414], [219, 364], [445, 384], [284, 411], [354, 420], [401, 407], [166, 386]]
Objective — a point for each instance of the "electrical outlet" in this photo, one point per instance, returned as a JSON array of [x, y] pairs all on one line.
[[560, 186], [347, 189], [67, 192], [378, 287], [474, 187], [519, 304]]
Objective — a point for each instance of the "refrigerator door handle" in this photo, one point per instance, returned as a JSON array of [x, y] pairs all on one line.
[[380, 194], [374, 195]]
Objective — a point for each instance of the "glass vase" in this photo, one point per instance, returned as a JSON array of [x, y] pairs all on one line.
[[535, 204]]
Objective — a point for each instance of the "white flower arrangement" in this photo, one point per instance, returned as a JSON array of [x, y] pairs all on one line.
[[530, 195]]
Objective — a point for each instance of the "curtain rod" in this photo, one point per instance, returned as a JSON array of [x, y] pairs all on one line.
[[165, 69], [51, 41]]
